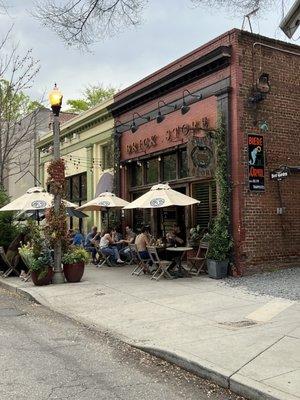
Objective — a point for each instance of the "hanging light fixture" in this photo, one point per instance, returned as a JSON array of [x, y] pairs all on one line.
[[134, 127], [185, 108], [160, 117]]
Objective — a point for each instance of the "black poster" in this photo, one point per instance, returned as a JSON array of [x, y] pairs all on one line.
[[256, 162]]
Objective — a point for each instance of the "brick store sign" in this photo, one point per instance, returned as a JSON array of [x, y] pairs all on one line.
[[142, 145], [256, 163]]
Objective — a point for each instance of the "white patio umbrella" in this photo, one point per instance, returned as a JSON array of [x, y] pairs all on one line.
[[35, 199], [160, 196], [104, 200]]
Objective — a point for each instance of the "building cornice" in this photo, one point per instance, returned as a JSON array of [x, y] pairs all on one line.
[[81, 123], [213, 61]]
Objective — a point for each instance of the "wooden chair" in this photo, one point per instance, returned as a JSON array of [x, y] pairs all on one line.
[[105, 259], [11, 268], [162, 265], [197, 264], [141, 264]]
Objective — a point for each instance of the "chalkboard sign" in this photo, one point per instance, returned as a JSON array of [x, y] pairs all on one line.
[[256, 163]]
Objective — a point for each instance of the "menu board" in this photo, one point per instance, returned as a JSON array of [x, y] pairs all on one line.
[[256, 163]]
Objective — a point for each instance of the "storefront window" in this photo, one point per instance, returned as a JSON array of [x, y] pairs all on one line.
[[136, 174], [76, 188], [183, 164], [152, 171], [76, 192], [169, 167], [206, 210], [107, 157]]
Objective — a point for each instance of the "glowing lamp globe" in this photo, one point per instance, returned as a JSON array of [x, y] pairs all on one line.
[[55, 97]]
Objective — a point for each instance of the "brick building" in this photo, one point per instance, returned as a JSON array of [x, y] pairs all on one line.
[[254, 82]]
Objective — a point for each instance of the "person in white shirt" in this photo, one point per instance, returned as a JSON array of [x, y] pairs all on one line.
[[108, 246]]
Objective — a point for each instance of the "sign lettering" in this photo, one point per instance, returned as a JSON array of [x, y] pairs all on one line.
[[256, 163], [142, 145]]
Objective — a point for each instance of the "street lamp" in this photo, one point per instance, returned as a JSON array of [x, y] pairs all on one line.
[[55, 98]]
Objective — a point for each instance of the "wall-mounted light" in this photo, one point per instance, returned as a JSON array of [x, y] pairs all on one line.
[[117, 132], [160, 117], [159, 159], [185, 108], [134, 127]]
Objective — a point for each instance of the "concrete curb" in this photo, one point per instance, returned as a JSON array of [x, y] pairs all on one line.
[[21, 292], [237, 383]]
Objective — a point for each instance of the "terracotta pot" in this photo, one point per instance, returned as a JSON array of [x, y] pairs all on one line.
[[45, 280], [74, 272]]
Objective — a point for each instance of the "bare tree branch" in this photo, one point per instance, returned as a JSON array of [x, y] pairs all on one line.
[[17, 115], [82, 22], [240, 7]]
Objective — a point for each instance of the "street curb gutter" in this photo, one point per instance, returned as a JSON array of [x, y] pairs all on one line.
[[21, 292], [188, 365], [237, 383]]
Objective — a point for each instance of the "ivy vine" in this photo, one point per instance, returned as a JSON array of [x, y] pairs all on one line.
[[219, 239]]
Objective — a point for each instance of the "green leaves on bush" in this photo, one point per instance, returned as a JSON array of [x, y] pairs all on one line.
[[219, 238], [75, 255]]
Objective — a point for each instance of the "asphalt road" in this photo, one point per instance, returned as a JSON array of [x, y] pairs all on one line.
[[46, 356]]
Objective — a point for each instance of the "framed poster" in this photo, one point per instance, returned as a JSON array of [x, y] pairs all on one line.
[[256, 162]]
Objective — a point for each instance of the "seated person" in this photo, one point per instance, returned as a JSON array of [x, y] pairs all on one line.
[[70, 236], [173, 237], [142, 241], [129, 239], [108, 247], [118, 237], [89, 243], [78, 239]]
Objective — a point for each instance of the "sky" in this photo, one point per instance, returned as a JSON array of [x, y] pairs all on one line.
[[170, 29]]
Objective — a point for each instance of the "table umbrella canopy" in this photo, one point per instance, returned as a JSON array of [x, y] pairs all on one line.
[[35, 199], [160, 196], [104, 200]]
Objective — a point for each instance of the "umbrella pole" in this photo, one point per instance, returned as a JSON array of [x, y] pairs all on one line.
[[108, 218], [163, 223], [38, 217]]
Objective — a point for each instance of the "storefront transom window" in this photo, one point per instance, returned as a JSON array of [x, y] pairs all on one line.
[[169, 167]]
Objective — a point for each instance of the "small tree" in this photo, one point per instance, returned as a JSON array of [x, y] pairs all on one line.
[[8, 230], [219, 237], [92, 96], [17, 73]]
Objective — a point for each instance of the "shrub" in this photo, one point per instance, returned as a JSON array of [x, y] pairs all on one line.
[[75, 255], [8, 229]]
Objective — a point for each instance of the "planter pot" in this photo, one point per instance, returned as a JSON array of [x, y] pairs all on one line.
[[217, 269], [74, 272], [45, 280]]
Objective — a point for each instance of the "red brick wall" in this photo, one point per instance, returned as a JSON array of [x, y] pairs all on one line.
[[264, 239]]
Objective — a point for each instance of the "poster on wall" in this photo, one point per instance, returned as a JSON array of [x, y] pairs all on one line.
[[256, 162]]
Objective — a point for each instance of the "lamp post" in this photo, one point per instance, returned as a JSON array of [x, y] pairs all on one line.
[[55, 98]]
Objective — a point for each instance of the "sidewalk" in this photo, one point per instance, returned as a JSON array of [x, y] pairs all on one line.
[[247, 342]]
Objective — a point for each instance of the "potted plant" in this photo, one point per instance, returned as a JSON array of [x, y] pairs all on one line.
[[219, 245], [219, 239], [73, 261], [39, 265]]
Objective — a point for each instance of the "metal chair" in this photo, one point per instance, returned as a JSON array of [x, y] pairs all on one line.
[[142, 265], [11, 268], [105, 259], [161, 265], [198, 263]]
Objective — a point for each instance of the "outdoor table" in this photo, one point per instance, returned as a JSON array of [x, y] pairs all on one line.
[[182, 250]]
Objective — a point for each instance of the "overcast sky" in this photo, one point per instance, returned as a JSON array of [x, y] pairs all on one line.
[[170, 29]]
